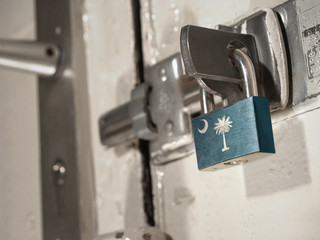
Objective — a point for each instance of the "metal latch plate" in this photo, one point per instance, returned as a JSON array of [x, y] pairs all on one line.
[[174, 139], [273, 66]]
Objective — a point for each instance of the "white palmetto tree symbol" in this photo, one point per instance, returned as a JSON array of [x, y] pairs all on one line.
[[223, 126]]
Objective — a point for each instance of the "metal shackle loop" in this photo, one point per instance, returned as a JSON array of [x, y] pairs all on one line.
[[243, 62], [239, 57]]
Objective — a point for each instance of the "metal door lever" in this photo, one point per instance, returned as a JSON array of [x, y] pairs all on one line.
[[28, 56]]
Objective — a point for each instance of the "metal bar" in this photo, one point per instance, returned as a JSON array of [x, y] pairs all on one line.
[[206, 101], [116, 126], [67, 196], [33, 57], [190, 92], [189, 89]]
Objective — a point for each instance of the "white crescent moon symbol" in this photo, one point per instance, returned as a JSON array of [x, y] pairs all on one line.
[[204, 130]]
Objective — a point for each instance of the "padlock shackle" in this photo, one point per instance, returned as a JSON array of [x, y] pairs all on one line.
[[240, 58], [247, 72], [207, 101]]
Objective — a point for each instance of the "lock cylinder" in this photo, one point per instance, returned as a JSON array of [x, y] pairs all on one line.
[[239, 56]]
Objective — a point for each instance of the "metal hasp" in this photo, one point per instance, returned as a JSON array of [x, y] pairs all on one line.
[[204, 54], [265, 27], [34, 57], [161, 107], [66, 171], [159, 111], [300, 21]]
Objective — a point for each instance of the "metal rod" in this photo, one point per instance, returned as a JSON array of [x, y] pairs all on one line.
[[206, 101], [116, 126], [190, 92], [28, 56], [247, 72]]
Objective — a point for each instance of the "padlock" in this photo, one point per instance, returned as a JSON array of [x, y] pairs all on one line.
[[237, 133]]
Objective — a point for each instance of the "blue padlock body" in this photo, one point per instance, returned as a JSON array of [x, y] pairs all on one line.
[[235, 131]]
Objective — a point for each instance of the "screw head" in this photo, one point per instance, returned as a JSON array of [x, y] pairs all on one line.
[[168, 127]]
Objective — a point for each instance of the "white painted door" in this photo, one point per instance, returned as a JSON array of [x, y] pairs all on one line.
[[271, 198]]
